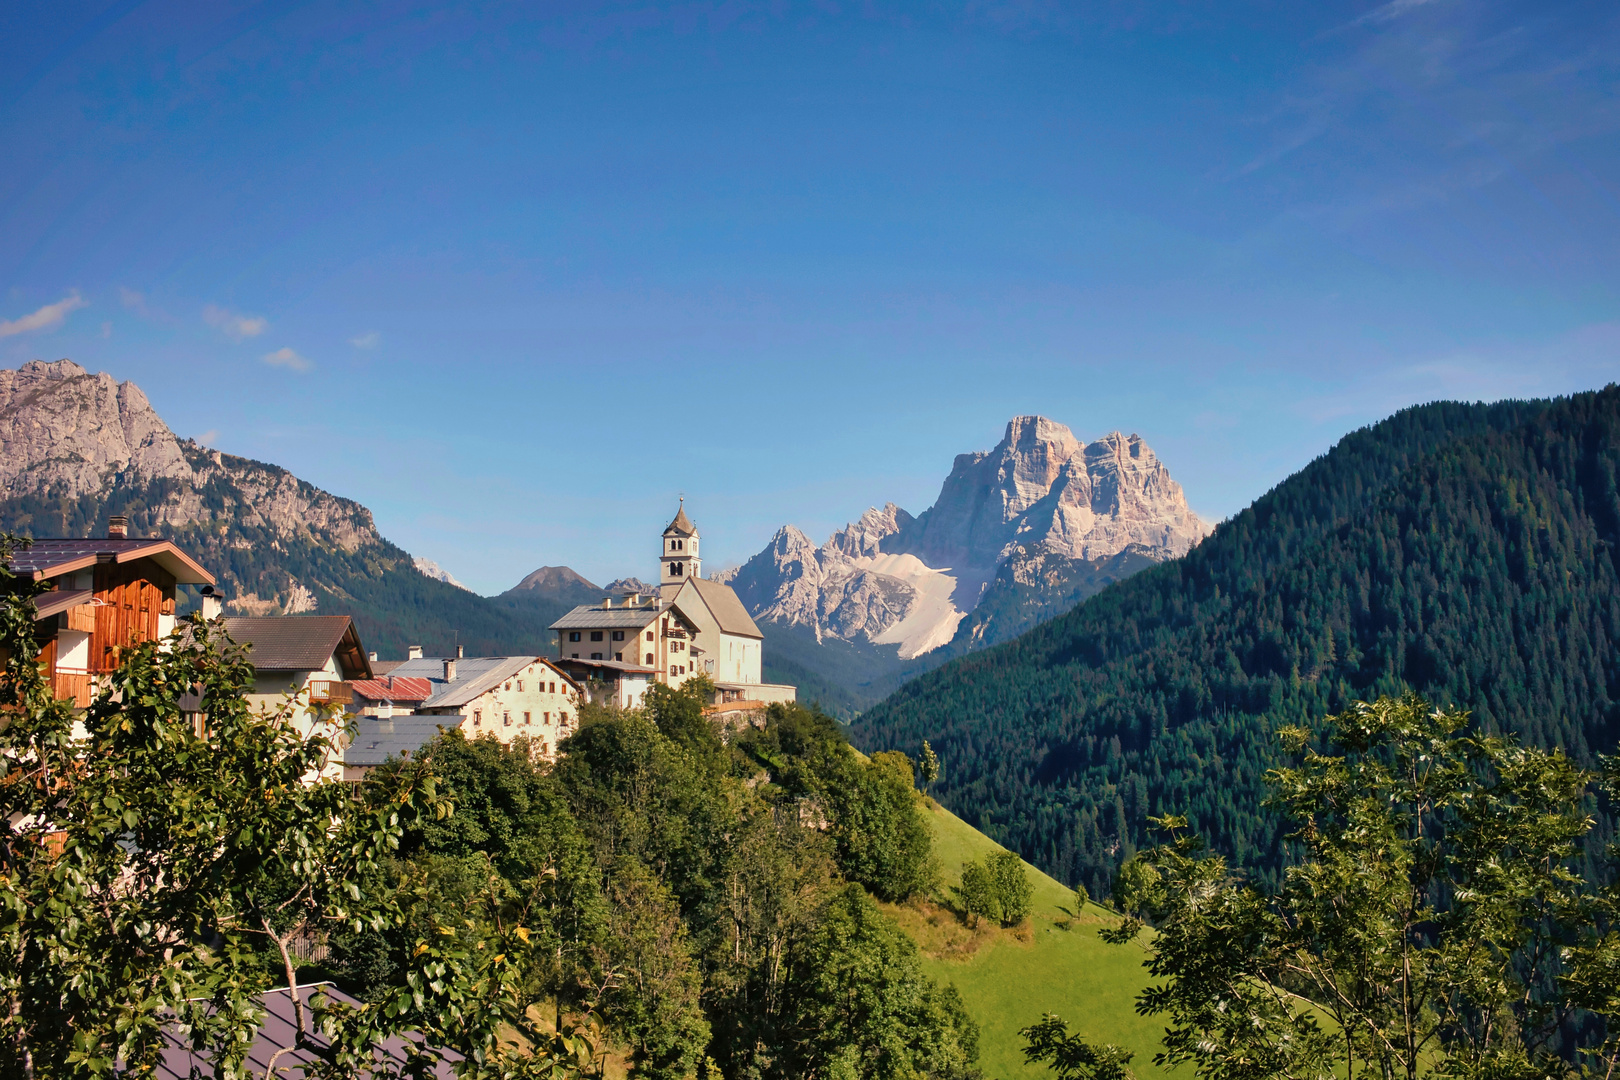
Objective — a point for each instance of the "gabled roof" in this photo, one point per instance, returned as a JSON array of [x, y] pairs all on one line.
[[727, 610], [301, 643], [475, 676], [682, 525], [597, 617], [378, 738], [52, 557], [392, 688]]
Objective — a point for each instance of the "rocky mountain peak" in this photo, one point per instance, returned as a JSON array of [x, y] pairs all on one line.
[[1040, 492], [628, 585], [65, 430], [866, 534]]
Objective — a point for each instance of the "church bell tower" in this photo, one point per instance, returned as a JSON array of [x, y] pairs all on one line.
[[679, 559]]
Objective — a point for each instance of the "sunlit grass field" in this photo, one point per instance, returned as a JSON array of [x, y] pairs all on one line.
[[1057, 964]]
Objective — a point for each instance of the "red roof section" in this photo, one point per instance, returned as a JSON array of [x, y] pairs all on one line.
[[388, 688]]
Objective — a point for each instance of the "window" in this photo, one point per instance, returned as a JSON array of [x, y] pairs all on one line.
[[596, 656], [525, 719], [649, 635], [478, 718], [596, 635], [520, 686], [675, 569], [573, 635], [562, 718], [618, 635], [649, 658], [507, 719], [508, 686], [553, 688], [573, 656], [546, 717]]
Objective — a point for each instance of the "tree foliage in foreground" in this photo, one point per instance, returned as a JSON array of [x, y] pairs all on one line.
[[144, 866], [705, 901], [1436, 919], [698, 905]]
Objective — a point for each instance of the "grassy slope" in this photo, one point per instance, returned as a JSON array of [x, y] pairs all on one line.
[[1059, 967]]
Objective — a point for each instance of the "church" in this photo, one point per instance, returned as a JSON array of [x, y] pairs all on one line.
[[693, 626]]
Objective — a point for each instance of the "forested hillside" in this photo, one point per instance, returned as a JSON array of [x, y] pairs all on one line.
[[1464, 550]]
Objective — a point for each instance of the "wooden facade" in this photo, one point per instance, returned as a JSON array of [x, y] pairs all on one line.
[[106, 596], [128, 598]]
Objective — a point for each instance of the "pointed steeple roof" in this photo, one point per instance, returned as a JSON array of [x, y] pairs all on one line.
[[682, 525]]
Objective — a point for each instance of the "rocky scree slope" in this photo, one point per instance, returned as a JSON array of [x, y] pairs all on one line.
[[1018, 533], [76, 448]]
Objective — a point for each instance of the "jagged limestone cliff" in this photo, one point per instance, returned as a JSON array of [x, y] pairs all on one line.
[[1031, 524]]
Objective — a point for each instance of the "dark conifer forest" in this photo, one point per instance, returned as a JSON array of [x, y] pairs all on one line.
[[1465, 551]]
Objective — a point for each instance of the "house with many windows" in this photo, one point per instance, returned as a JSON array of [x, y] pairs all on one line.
[[639, 630], [693, 626], [502, 696]]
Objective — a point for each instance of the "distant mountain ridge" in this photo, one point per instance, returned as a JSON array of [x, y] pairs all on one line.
[[1018, 533], [76, 448]]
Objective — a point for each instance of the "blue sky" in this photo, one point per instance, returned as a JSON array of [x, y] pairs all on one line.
[[515, 275]]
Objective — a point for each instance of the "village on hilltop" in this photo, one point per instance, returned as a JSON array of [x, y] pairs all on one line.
[[106, 594]]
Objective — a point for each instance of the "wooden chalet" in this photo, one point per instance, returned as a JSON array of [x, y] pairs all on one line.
[[106, 595]]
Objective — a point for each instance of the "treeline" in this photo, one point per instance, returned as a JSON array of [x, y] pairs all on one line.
[[1466, 551], [710, 901]]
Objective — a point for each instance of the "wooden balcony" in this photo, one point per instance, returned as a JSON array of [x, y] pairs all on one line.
[[331, 693]]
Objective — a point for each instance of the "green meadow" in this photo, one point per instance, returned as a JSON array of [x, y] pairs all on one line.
[[1056, 964]]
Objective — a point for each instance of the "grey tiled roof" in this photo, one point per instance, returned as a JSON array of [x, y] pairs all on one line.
[[378, 738], [279, 1030], [596, 617], [475, 675]]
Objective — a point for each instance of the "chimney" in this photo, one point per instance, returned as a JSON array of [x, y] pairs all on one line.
[[413, 652], [461, 651], [117, 527], [450, 670], [213, 603], [607, 601], [372, 657]]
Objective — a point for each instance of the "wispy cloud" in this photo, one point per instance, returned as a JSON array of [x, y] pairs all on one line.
[[48, 317], [1582, 359], [1418, 101], [1387, 12], [367, 340], [209, 437], [235, 326], [287, 358]]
